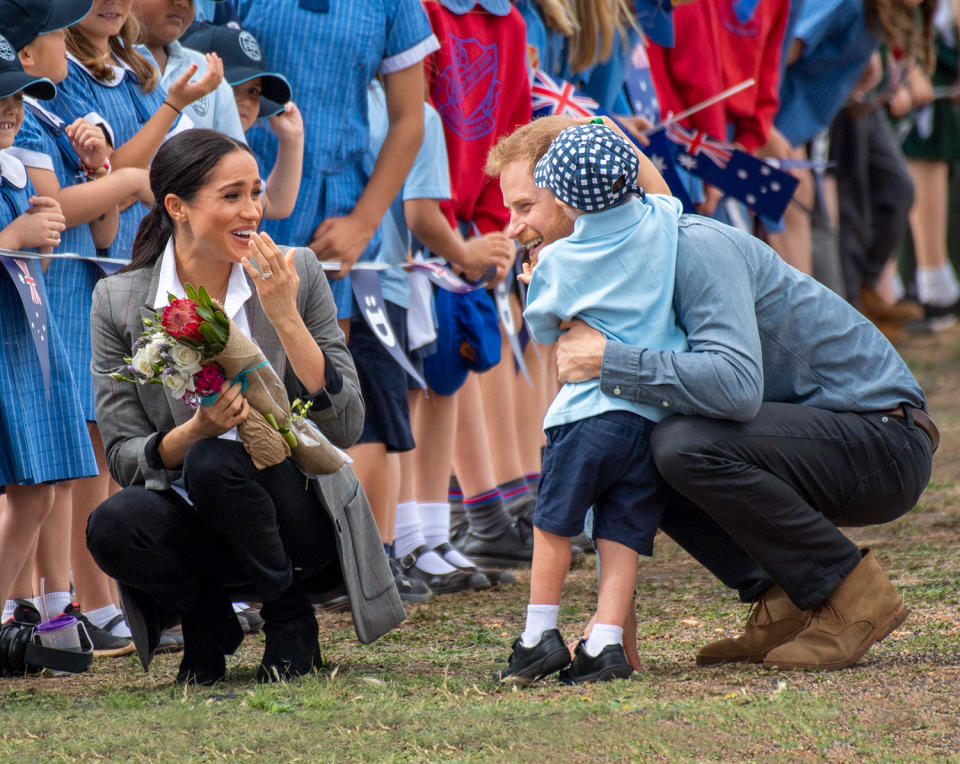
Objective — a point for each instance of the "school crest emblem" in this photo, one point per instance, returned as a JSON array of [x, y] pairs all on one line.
[[7, 53], [248, 44], [467, 92]]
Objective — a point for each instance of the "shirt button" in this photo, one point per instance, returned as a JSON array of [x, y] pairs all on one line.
[[666, 403], [616, 390], [883, 419]]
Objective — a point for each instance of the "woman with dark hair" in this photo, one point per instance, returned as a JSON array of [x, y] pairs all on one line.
[[196, 522]]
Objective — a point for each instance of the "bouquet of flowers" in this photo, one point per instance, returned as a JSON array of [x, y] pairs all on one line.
[[194, 350]]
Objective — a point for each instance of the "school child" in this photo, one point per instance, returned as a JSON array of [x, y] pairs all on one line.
[[330, 53], [43, 438], [162, 24], [259, 94], [66, 163], [616, 272], [113, 84]]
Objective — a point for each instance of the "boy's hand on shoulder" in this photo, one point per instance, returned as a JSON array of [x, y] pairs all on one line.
[[288, 124]]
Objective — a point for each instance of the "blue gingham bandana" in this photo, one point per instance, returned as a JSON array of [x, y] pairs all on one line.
[[590, 167]]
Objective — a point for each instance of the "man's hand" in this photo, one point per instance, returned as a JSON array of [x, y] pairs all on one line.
[[579, 352]]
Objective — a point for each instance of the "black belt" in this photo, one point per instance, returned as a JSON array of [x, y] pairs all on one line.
[[920, 418]]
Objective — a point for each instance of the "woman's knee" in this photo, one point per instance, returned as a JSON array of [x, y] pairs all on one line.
[[108, 529]]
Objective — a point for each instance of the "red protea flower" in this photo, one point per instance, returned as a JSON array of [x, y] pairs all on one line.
[[208, 380], [181, 320]]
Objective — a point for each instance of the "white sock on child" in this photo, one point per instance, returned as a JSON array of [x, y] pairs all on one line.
[[408, 536], [540, 618], [937, 286], [54, 602], [601, 635], [435, 524], [103, 615], [8, 607]]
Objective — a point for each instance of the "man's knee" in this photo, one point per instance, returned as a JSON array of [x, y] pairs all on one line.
[[675, 443]]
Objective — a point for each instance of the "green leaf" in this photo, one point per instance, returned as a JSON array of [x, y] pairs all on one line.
[[205, 296], [272, 420], [209, 334], [205, 313], [191, 292]]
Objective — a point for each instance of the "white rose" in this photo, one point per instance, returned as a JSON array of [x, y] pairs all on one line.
[[152, 348], [142, 363], [177, 384], [185, 358]]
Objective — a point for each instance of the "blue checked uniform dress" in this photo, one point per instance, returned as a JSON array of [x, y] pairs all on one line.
[[69, 282], [43, 435], [126, 109], [330, 56]]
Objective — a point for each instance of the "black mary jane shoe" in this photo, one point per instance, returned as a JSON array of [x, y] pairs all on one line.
[[440, 583]]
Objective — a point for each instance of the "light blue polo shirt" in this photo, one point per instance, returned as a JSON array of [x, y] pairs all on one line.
[[615, 272], [429, 178], [216, 110]]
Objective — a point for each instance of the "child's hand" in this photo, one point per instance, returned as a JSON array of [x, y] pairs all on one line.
[[288, 124], [40, 226], [493, 249], [182, 92], [89, 142], [526, 275], [342, 239]]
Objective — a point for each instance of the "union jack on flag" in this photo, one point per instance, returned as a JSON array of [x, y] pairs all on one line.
[[698, 142], [551, 96]]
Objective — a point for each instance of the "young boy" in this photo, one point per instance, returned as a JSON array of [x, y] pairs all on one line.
[[615, 272], [258, 94]]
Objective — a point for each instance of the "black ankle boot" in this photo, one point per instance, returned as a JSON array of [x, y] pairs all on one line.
[[210, 631], [291, 631]]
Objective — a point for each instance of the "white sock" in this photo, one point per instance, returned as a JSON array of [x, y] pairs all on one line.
[[601, 635], [540, 618], [101, 616], [408, 535], [937, 286], [8, 607], [55, 602], [435, 524]]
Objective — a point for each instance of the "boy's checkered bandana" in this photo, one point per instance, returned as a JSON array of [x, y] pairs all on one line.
[[590, 167]]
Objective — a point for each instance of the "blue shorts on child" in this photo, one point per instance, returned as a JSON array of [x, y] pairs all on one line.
[[604, 461]]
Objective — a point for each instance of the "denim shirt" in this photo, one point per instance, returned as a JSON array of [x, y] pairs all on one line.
[[758, 330]]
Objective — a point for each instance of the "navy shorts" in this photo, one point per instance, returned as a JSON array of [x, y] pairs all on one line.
[[383, 382], [604, 461]]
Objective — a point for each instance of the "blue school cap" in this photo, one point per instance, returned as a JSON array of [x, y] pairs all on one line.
[[468, 339], [656, 20], [22, 21], [243, 60], [13, 79], [590, 167]]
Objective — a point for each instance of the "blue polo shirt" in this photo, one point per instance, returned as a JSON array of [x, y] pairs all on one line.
[[429, 178], [616, 273]]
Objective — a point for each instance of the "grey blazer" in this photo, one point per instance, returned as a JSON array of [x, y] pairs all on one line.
[[130, 416]]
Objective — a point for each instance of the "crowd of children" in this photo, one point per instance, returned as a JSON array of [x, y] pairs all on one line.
[[400, 103]]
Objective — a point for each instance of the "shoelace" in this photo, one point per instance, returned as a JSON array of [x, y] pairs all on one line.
[[829, 606]]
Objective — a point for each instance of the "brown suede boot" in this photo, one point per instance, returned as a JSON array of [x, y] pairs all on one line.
[[773, 620], [859, 612]]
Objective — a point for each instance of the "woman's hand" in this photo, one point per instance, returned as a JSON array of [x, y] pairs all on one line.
[[229, 410], [89, 142], [182, 92], [39, 227], [276, 280]]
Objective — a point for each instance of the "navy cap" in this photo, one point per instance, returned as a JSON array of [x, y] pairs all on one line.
[[243, 60], [590, 167], [22, 21], [656, 20], [13, 79]]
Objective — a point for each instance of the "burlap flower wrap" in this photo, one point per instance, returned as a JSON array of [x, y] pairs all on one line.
[[242, 359]]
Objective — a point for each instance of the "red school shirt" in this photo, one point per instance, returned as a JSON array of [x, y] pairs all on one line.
[[479, 84]]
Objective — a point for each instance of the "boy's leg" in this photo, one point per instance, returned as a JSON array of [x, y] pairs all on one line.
[[618, 580]]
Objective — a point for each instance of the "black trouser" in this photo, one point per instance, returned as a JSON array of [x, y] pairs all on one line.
[[247, 529], [759, 502], [875, 194]]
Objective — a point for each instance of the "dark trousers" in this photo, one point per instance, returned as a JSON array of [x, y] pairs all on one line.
[[875, 193], [248, 529], [760, 502]]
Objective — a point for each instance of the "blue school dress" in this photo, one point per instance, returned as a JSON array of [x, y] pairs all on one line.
[[41, 143], [43, 436], [124, 109]]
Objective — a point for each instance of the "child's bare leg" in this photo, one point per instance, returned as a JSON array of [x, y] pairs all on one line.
[[618, 581], [551, 561], [53, 553], [27, 508]]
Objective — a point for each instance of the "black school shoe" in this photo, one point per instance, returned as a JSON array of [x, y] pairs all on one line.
[[611, 663], [528, 664]]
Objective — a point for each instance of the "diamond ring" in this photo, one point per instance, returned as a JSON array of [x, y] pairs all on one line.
[[267, 274]]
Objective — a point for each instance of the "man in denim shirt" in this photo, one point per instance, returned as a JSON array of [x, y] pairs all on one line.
[[798, 417]]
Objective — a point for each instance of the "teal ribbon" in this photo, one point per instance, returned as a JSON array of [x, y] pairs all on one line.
[[209, 400]]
